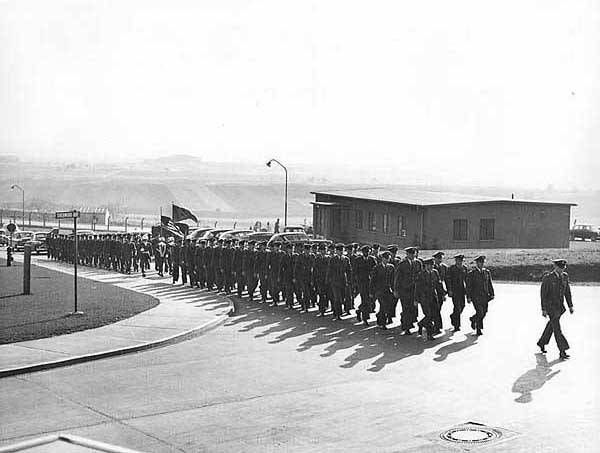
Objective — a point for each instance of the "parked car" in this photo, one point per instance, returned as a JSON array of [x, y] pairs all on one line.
[[214, 234], [583, 232], [327, 242], [235, 234], [4, 239], [38, 243], [292, 238], [20, 238], [198, 233], [260, 236], [294, 229]]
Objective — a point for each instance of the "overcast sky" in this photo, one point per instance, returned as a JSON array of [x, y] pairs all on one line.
[[473, 91]]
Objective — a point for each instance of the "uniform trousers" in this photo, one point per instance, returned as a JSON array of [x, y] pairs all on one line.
[[553, 327]]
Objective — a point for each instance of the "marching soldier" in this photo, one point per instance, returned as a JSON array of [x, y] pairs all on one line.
[[175, 254], [480, 291], [145, 251], [442, 270], [364, 264], [382, 281], [209, 259], [554, 291], [200, 255], [287, 275], [457, 289], [251, 269], [429, 291], [238, 266], [405, 281], [320, 274], [394, 261], [160, 254], [262, 269], [338, 276], [303, 276], [275, 258], [349, 291]]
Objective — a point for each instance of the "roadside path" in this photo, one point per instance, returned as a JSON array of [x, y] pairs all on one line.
[[182, 313]]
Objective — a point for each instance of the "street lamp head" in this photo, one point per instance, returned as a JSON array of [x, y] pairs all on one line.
[[269, 163], [12, 187]]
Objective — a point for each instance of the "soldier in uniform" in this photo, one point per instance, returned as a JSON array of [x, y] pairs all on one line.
[[442, 270], [276, 256], [126, 255], [200, 254], [429, 291], [303, 276], [364, 264], [251, 269], [261, 266], [145, 251], [209, 259], [554, 291], [394, 261], [382, 281], [480, 291], [349, 292], [457, 289], [320, 274], [160, 254], [238, 266], [175, 254], [405, 281], [287, 275], [226, 262], [338, 276]]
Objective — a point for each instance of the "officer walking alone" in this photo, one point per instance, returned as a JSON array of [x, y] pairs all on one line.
[[555, 290]]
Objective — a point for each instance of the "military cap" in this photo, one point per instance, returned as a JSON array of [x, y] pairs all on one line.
[[386, 254], [376, 246], [438, 254], [339, 246], [365, 248], [428, 261], [410, 249], [251, 242], [322, 246], [241, 241], [560, 262], [392, 248], [480, 258], [202, 241], [355, 244], [460, 256], [348, 246]]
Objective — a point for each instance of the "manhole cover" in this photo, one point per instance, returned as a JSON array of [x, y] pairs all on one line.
[[471, 434]]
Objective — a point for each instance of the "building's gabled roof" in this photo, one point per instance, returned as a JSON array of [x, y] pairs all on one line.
[[417, 197]]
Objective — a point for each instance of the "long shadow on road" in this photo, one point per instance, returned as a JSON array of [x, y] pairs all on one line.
[[534, 379], [362, 343]]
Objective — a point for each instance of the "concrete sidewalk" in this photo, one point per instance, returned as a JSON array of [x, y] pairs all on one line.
[[183, 313]]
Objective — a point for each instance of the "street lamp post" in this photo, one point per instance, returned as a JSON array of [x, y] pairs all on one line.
[[126, 218], [16, 186], [286, 188], [142, 225]]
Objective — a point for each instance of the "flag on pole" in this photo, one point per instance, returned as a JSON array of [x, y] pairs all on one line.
[[169, 226], [183, 227], [180, 214]]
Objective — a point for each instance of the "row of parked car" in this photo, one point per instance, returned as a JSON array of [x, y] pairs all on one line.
[[37, 240], [291, 234]]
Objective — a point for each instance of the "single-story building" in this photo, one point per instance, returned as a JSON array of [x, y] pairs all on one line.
[[439, 220]]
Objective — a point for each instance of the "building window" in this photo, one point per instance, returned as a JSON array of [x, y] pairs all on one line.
[[359, 219], [486, 229], [317, 220], [372, 222], [386, 223], [401, 230], [460, 229]]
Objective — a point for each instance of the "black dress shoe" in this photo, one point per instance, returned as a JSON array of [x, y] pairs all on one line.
[[456, 329], [479, 332], [407, 332], [358, 316], [542, 348], [366, 323], [564, 355], [420, 331]]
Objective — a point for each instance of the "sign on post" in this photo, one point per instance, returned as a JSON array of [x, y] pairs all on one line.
[[74, 214]]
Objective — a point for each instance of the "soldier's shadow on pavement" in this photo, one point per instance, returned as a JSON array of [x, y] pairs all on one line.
[[445, 351], [364, 343], [534, 379]]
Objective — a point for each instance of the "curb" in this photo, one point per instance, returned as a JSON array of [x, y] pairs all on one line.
[[173, 339]]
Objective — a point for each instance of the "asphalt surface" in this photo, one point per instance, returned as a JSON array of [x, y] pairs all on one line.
[[277, 380]]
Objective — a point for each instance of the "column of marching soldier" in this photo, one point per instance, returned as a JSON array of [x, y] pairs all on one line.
[[322, 276]]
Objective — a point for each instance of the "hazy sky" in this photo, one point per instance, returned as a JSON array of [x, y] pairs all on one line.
[[470, 91]]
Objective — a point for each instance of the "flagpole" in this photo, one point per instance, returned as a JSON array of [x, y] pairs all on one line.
[[161, 225]]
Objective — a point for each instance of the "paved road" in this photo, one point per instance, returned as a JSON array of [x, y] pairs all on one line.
[[273, 380]]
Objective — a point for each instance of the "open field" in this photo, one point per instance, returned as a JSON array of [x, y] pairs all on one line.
[[44, 313]]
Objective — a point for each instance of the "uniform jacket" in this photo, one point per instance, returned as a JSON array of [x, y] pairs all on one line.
[[364, 266], [456, 280], [382, 279], [429, 286], [338, 271], [553, 293], [479, 285], [406, 275]]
